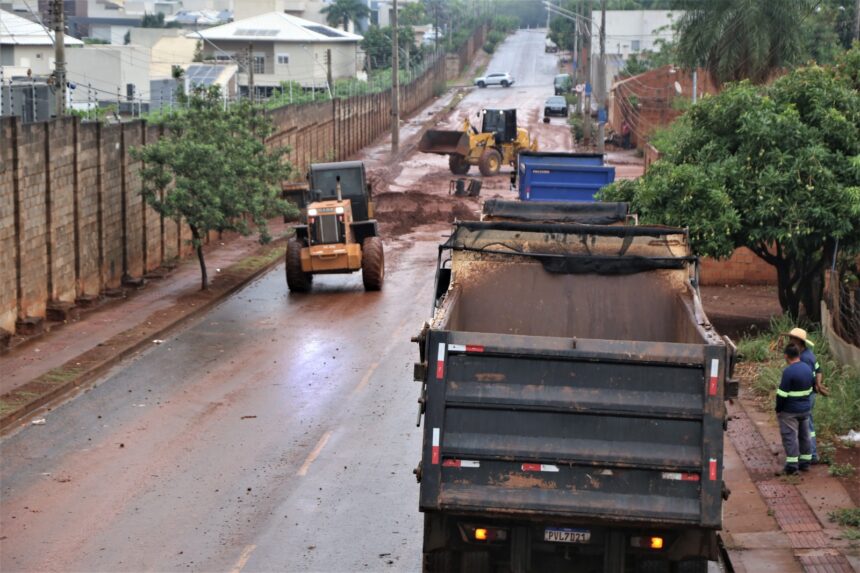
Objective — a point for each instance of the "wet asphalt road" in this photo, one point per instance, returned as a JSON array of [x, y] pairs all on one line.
[[277, 433]]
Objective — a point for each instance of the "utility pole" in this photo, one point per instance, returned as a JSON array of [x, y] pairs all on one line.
[[251, 88], [328, 76], [586, 111], [601, 82], [395, 83], [857, 22], [60, 56]]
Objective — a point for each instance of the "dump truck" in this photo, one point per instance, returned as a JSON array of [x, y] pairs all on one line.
[[339, 234], [560, 176], [497, 143], [572, 395]]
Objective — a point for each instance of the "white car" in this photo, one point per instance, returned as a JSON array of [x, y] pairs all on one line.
[[500, 79]]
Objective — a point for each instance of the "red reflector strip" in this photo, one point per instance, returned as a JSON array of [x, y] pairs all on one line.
[[434, 458], [712, 469], [539, 468], [440, 362], [465, 348], [449, 463], [680, 476], [712, 381]]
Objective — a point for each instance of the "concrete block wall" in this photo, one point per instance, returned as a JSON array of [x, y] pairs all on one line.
[[8, 241], [73, 223]]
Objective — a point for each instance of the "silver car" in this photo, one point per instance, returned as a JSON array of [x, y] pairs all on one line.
[[503, 79]]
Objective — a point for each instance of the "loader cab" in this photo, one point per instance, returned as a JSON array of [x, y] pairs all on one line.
[[322, 184], [500, 122]]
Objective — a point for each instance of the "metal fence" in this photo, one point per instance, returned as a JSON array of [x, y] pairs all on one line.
[[843, 301]]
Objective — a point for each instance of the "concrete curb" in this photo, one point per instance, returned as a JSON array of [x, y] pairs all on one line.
[[86, 367]]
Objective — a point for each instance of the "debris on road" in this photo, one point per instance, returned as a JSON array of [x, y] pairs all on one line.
[[247, 417], [39, 422], [851, 436]]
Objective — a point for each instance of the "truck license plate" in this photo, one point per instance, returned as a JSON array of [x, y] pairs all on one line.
[[565, 535]]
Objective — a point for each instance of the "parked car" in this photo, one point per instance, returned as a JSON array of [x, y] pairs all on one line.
[[496, 79], [563, 84], [550, 47], [556, 105]]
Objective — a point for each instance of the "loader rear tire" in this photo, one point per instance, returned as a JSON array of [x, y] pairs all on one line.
[[458, 164], [372, 263], [490, 163], [297, 279]]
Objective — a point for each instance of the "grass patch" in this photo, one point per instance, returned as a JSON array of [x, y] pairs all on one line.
[[62, 375], [259, 261], [841, 470], [846, 517], [834, 415]]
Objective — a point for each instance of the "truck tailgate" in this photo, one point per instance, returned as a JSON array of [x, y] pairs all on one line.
[[609, 430]]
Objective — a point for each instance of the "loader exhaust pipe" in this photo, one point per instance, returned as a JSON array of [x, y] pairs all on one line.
[[337, 187]]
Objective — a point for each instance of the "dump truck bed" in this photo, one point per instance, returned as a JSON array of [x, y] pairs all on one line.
[[561, 176], [572, 377]]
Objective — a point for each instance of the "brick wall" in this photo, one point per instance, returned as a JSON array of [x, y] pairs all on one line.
[[72, 220], [743, 267]]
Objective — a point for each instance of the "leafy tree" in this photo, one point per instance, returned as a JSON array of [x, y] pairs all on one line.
[[152, 20], [342, 12], [775, 169], [198, 52], [742, 39], [213, 169], [412, 14], [377, 45]]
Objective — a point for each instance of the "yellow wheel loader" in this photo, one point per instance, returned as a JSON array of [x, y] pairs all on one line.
[[340, 234], [496, 144]]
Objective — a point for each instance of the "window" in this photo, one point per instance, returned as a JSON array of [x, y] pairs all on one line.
[[634, 45], [221, 57], [283, 59], [259, 64]]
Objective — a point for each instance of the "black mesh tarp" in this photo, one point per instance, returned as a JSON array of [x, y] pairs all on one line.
[[557, 211]]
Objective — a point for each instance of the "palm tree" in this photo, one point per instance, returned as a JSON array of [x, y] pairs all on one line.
[[741, 39], [341, 12]]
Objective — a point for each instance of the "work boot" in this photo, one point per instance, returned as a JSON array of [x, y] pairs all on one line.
[[804, 467], [789, 470]]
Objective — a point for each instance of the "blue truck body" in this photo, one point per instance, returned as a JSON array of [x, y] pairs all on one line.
[[558, 176]]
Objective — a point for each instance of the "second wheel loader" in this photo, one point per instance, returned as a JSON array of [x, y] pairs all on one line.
[[498, 143]]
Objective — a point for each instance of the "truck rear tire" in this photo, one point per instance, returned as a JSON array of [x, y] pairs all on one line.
[[439, 562], [297, 279], [475, 562], [372, 263], [458, 164], [490, 163], [692, 566]]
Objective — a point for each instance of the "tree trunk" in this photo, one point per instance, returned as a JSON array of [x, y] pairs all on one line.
[[198, 244]]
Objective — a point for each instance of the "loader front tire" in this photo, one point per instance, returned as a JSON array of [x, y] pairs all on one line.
[[490, 163], [297, 279], [458, 164], [372, 263]]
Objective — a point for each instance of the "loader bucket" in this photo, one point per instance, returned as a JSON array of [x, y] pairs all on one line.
[[444, 142]]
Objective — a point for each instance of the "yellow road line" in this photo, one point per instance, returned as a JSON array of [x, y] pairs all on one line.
[[314, 454], [243, 559]]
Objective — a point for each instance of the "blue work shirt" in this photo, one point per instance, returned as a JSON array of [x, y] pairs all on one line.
[[808, 358], [795, 389]]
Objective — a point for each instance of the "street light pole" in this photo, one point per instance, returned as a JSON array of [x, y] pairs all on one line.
[[395, 83]]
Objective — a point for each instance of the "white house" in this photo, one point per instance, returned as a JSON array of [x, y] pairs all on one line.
[[307, 9], [28, 45], [629, 32], [285, 48], [109, 73]]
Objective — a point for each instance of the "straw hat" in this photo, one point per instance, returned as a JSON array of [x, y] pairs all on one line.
[[800, 334]]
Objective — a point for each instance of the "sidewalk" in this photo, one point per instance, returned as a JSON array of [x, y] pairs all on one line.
[[114, 329], [774, 523]]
